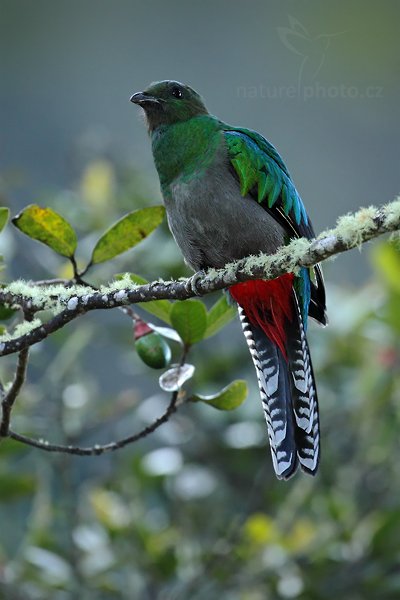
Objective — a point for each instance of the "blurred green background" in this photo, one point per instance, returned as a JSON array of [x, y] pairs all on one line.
[[194, 511]]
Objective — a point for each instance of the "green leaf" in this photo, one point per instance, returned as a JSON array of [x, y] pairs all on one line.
[[158, 308], [127, 232], [229, 398], [6, 312], [4, 214], [189, 318], [219, 315], [48, 227]]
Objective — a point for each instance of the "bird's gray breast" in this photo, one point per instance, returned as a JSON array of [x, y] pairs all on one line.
[[212, 223]]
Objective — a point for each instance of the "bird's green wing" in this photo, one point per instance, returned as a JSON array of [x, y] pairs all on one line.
[[263, 175]]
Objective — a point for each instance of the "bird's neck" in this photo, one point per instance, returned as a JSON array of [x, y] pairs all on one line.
[[185, 149]]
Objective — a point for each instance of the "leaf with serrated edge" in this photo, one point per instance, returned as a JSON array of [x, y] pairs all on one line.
[[219, 315], [48, 227], [173, 379], [189, 318], [4, 214], [229, 398], [127, 233]]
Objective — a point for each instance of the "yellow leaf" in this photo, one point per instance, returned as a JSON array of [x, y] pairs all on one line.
[[48, 227], [127, 232]]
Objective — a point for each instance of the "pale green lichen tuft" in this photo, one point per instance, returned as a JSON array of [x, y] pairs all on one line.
[[289, 255], [51, 297], [212, 273], [56, 297], [392, 212], [125, 283], [20, 330], [352, 228], [293, 253]]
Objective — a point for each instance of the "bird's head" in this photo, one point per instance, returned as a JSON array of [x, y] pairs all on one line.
[[167, 102]]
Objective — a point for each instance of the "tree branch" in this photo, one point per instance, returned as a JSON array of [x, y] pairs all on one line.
[[99, 449], [9, 399], [68, 301], [351, 232]]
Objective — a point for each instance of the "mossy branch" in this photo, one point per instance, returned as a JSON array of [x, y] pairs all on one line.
[[67, 303]]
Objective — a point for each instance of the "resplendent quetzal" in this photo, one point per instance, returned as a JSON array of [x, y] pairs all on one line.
[[228, 194]]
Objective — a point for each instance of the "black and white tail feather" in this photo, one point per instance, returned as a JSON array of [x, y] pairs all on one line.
[[288, 395]]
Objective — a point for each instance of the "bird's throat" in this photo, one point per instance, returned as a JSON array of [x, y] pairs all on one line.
[[186, 149]]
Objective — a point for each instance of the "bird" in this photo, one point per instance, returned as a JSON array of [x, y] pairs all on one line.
[[228, 195]]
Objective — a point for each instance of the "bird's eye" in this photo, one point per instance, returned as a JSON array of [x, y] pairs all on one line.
[[177, 92]]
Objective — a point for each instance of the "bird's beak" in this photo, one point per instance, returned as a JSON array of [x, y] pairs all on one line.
[[142, 99]]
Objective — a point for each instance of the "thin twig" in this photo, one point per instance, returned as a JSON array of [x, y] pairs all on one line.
[[9, 399], [55, 281], [99, 449], [74, 268]]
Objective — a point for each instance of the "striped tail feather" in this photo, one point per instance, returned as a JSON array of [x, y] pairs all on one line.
[[288, 394], [274, 385], [304, 393]]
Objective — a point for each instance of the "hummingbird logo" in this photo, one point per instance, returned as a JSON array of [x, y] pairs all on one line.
[[311, 48]]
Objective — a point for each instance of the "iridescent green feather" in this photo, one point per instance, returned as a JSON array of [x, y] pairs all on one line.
[[262, 186], [287, 199], [275, 192], [245, 164], [250, 165], [262, 173]]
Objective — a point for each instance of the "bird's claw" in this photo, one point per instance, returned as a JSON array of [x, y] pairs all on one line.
[[193, 281]]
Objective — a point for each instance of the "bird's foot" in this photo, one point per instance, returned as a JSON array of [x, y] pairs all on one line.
[[193, 281]]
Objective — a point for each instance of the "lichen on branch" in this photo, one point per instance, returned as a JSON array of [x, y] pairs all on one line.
[[69, 302]]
